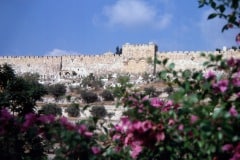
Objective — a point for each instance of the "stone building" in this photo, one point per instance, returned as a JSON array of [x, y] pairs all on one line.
[[133, 60]]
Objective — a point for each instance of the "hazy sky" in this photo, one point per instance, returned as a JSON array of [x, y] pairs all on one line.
[[55, 27]]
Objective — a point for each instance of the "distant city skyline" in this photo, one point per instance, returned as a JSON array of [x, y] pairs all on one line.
[[61, 27]]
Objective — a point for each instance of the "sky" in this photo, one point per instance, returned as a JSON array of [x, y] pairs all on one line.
[[61, 27]]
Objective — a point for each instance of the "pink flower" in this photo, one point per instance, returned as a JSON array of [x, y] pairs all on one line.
[[193, 119], [5, 114], [46, 119], [236, 155], [221, 86], [181, 127], [136, 150], [67, 124], [95, 150], [146, 125], [30, 118], [82, 128], [227, 147], [209, 75], [236, 79], [88, 134], [233, 112], [156, 102], [171, 122], [128, 138], [231, 62], [160, 136], [137, 125], [116, 137]]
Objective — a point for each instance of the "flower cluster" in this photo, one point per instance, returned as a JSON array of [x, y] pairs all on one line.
[[138, 134], [49, 130]]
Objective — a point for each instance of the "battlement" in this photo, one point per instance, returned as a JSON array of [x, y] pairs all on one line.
[[134, 60]]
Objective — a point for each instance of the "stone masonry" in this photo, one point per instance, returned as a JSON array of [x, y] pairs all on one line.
[[133, 60]]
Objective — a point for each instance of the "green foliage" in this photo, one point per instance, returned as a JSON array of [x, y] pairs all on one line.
[[73, 110], [51, 109], [98, 111], [89, 96], [151, 91], [122, 86], [107, 95], [19, 94], [68, 97], [202, 115], [92, 81], [57, 90], [228, 10]]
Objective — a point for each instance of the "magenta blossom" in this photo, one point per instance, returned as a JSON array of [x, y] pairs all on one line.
[[193, 119], [236, 79], [46, 119], [136, 149], [231, 62], [5, 115], [181, 127], [236, 155], [146, 125], [160, 136], [82, 128], [88, 134], [210, 75], [156, 102], [95, 150], [233, 112], [221, 86], [227, 147], [64, 121], [30, 119]]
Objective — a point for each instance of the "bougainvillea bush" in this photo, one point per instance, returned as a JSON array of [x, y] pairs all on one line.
[[36, 136], [200, 119]]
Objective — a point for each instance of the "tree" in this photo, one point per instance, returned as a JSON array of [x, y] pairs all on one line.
[[118, 51], [57, 90], [18, 94], [88, 96], [226, 9], [73, 110], [51, 109]]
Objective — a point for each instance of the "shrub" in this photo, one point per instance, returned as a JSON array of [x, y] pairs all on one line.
[[73, 110], [107, 95], [98, 111], [92, 81], [68, 97], [124, 84], [57, 90], [51, 109], [19, 94], [151, 91], [88, 96], [31, 136], [202, 114]]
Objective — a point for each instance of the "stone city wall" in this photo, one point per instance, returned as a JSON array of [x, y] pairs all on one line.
[[133, 60]]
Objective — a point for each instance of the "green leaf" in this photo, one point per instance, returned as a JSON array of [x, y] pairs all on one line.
[[213, 5], [165, 61], [218, 57], [193, 98], [235, 4], [171, 66], [221, 8], [211, 16], [202, 54], [225, 27]]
